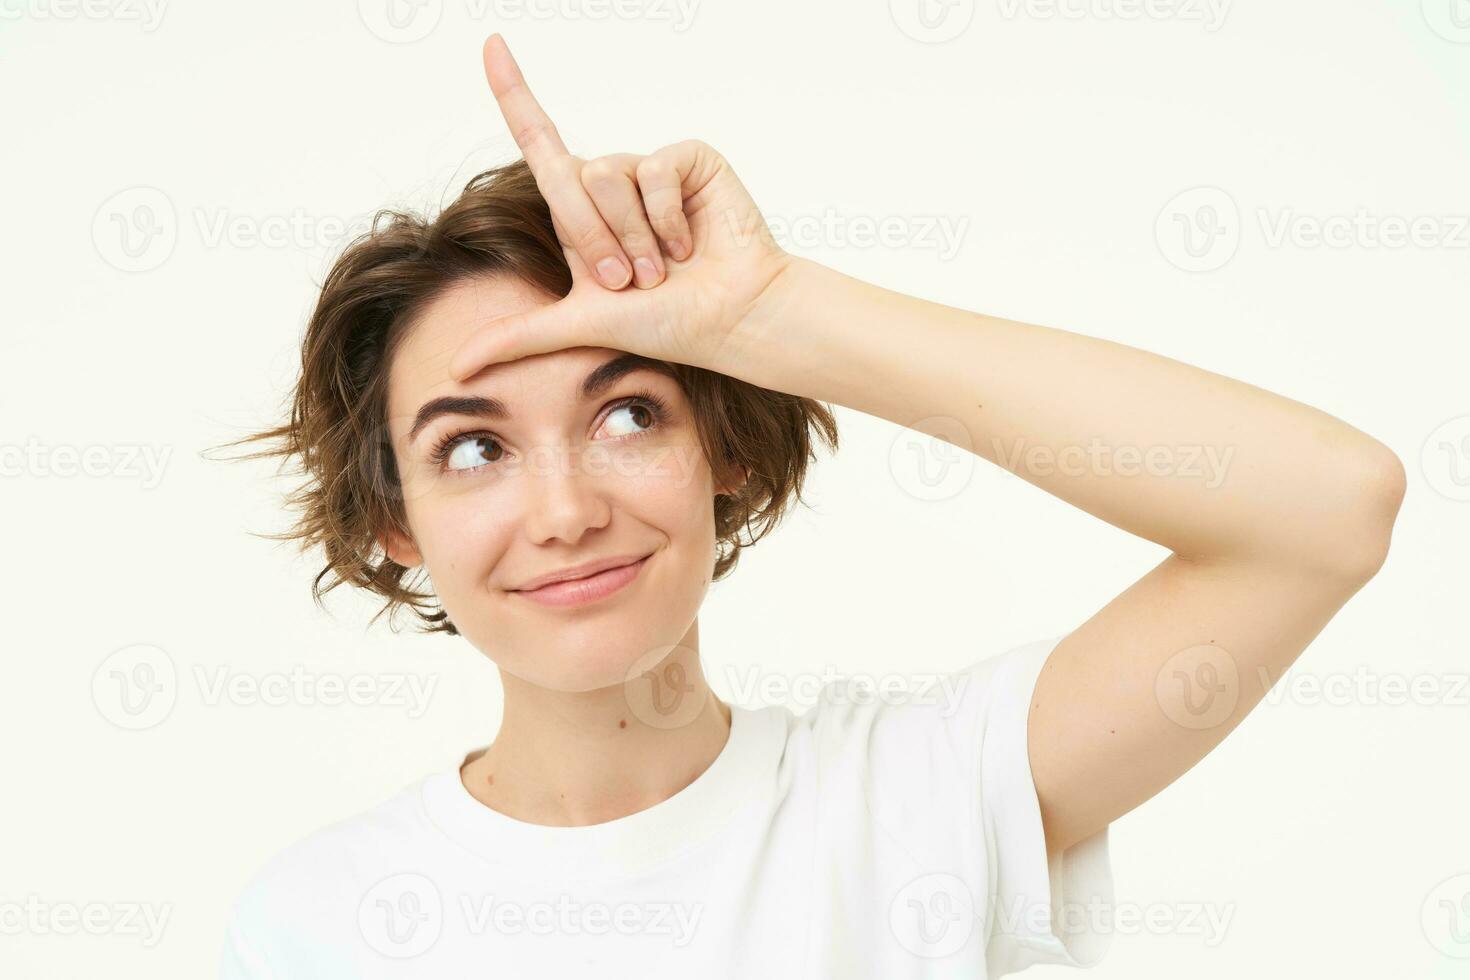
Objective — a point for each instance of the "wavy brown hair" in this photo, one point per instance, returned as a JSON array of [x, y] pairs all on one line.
[[336, 422]]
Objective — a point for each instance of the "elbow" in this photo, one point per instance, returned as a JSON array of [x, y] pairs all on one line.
[[1383, 483]]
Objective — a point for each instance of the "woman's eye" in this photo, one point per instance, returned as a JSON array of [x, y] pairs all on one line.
[[472, 452], [641, 415]]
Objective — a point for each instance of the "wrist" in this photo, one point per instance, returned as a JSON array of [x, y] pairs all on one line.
[[754, 347]]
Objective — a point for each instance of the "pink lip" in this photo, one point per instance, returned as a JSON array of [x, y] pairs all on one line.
[[580, 591]]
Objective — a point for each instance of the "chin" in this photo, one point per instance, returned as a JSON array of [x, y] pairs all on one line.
[[612, 658], [581, 656]]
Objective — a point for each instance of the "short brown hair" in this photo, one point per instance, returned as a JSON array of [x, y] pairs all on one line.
[[336, 426]]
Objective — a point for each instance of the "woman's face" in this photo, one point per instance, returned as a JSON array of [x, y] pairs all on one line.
[[562, 477]]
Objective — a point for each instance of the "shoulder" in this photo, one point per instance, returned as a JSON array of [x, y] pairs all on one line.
[[922, 753], [890, 716], [941, 760], [324, 875]]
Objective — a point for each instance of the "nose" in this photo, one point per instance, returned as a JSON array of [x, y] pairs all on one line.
[[563, 501]]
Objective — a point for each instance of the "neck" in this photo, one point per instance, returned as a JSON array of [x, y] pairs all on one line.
[[572, 759]]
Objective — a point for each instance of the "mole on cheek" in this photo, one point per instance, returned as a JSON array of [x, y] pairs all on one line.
[[622, 723]]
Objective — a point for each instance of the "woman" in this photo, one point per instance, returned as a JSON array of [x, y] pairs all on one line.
[[561, 401]]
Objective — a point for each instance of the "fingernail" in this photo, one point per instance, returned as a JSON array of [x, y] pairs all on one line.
[[678, 249], [645, 272], [613, 273]]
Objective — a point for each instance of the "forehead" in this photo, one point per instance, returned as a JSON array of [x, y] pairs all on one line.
[[419, 369]]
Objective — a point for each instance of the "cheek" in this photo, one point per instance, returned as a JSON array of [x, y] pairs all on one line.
[[460, 537], [668, 486]]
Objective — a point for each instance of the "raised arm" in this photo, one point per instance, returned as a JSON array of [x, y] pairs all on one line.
[[1269, 540], [1292, 516]]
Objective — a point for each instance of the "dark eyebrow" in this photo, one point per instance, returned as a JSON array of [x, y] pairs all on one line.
[[598, 381]]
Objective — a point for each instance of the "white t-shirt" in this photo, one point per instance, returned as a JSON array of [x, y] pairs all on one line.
[[878, 839]]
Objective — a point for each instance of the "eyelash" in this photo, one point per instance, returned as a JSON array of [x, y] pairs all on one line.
[[446, 446]]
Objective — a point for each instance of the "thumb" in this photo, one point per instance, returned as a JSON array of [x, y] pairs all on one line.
[[580, 319]]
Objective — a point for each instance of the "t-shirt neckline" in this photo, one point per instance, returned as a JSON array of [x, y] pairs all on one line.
[[628, 844]]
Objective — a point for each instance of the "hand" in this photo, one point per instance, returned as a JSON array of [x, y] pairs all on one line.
[[613, 213]]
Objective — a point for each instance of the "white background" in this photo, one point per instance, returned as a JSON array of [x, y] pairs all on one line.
[[1057, 138]]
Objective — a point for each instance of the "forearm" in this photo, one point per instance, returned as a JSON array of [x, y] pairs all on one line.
[[1199, 463]]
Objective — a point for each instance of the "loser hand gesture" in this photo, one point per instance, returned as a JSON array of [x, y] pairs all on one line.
[[668, 253]]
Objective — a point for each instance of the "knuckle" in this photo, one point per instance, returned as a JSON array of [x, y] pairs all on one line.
[[653, 168], [599, 173]]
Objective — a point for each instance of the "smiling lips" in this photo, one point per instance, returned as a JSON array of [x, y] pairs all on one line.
[[590, 588]]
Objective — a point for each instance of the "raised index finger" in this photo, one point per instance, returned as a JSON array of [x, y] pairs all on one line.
[[529, 124], [585, 237]]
